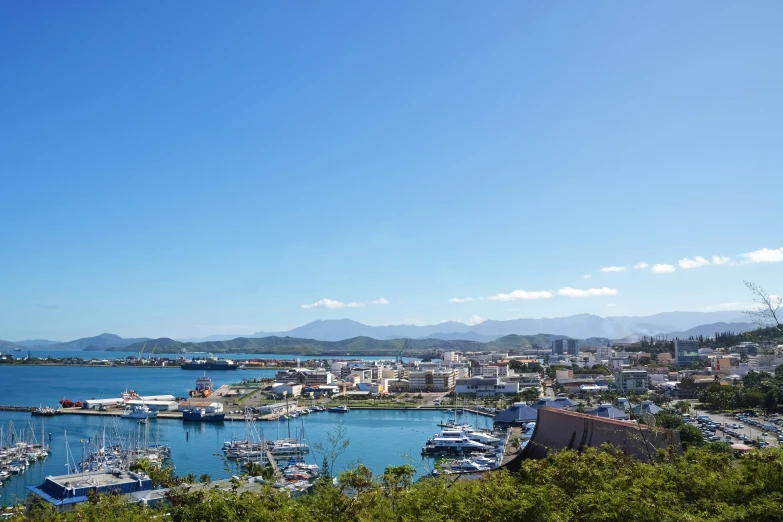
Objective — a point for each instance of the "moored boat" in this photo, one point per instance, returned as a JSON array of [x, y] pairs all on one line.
[[453, 446], [339, 409], [44, 411], [203, 387], [139, 412]]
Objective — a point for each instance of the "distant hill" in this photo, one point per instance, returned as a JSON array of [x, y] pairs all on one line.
[[709, 330], [467, 336], [29, 343], [7, 346], [99, 342], [355, 346]]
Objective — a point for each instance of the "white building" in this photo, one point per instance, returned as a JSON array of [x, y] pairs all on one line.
[[631, 380], [604, 353], [486, 386], [291, 389]]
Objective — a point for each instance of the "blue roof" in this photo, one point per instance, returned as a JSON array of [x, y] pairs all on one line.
[[559, 403], [518, 413], [608, 412], [647, 407]]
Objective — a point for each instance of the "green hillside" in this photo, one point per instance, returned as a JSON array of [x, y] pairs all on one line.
[[354, 346]]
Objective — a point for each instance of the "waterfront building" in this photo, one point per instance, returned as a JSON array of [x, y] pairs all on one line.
[[65, 492], [207, 406], [432, 380], [291, 389], [485, 386], [305, 376], [686, 352], [631, 380], [518, 414], [549, 402]]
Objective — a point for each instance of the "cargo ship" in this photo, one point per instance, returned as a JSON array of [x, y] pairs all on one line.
[[210, 363], [203, 387], [201, 415]]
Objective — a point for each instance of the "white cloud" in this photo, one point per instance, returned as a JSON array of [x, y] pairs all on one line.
[[640, 266], [765, 255], [587, 276], [576, 292], [521, 294], [721, 260], [460, 299], [611, 305], [614, 269], [663, 269], [728, 307], [331, 303], [474, 319], [696, 262]]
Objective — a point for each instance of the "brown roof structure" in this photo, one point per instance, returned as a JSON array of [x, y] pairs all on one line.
[[558, 429]]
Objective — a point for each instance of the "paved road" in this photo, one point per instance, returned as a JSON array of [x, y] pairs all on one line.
[[750, 431]]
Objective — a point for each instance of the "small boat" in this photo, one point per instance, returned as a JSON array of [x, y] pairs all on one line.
[[139, 412], [339, 409], [44, 411]]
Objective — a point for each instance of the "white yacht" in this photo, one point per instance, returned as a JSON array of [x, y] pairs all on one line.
[[139, 412], [477, 436], [285, 448], [454, 445]]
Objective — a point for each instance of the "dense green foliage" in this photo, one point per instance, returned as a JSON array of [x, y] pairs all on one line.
[[706, 484], [759, 390]]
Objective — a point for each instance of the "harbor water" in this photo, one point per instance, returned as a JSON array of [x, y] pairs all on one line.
[[44, 352], [378, 438]]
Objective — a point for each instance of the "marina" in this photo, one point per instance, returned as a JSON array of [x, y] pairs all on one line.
[[378, 438]]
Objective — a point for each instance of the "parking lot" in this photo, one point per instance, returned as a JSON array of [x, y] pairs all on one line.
[[763, 431]]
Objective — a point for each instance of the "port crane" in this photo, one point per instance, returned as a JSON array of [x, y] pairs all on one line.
[[404, 347]]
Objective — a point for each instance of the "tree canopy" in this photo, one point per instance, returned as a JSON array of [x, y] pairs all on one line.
[[705, 484]]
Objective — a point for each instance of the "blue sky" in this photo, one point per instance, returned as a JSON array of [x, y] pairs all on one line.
[[211, 168]]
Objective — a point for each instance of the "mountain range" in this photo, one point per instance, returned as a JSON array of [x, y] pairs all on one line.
[[576, 326], [582, 326], [354, 346]]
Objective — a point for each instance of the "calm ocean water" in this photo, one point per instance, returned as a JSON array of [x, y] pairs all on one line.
[[45, 352], [377, 438]]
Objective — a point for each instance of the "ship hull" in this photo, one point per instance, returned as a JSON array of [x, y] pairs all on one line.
[[209, 417], [208, 366]]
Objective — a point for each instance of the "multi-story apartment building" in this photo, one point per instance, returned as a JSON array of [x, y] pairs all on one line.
[[432, 380]]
